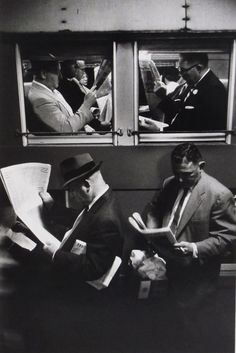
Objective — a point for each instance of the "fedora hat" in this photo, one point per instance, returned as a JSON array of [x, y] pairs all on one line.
[[80, 166]]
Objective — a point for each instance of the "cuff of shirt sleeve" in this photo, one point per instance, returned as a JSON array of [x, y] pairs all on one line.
[[195, 251]]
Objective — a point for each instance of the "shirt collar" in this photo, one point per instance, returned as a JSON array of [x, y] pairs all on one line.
[[106, 187], [202, 77]]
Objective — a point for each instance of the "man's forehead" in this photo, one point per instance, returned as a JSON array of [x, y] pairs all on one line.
[[183, 62], [184, 165]]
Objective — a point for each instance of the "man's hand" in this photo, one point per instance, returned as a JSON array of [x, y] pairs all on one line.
[[47, 199], [50, 248], [90, 98], [186, 247], [160, 89]]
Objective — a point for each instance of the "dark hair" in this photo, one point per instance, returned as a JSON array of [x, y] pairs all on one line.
[[200, 58], [171, 74], [188, 150], [66, 68], [49, 66]]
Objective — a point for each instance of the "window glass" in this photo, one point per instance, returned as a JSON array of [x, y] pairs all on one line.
[[183, 91], [67, 92]]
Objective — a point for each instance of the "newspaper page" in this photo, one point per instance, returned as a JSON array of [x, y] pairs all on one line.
[[104, 281], [103, 72], [23, 182], [150, 75]]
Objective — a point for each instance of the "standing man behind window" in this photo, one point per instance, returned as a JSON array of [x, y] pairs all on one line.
[[198, 105]]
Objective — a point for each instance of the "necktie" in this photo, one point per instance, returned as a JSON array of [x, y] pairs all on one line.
[[176, 218]]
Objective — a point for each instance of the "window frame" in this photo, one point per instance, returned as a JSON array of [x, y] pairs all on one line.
[[81, 138], [142, 138]]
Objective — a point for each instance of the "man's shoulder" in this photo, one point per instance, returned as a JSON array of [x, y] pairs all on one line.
[[211, 80], [170, 181], [37, 91], [108, 207], [214, 185]]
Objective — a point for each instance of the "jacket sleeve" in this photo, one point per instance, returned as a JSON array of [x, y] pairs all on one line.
[[222, 232], [153, 211], [49, 112], [99, 256]]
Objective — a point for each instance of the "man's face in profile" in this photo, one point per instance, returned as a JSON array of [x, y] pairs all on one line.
[[52, 77], [189, 71], [80, 192], [188, 173]]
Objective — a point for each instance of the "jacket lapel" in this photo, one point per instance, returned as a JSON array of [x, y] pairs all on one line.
[[194, 202], [81, 231]]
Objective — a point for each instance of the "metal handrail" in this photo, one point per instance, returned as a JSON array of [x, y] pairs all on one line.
[[131, 132], [118, 132]]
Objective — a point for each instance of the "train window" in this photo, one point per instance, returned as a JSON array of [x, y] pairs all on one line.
[[182, 91], [66, 94]]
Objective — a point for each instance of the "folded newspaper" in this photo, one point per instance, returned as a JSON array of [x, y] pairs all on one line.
[[79, 248], [23, 182], [137, 223]]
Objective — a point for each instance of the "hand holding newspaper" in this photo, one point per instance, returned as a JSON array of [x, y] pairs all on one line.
[[137, 223], [23, 182]]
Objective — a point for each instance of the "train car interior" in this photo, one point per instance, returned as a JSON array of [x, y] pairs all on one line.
[[131, 52]]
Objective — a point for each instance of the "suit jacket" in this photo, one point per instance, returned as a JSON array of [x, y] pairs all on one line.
[[101, 229], [51, 109], [72, 93], [204, 108], [209, 220]]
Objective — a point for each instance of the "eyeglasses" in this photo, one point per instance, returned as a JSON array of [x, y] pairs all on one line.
[[183, 70]]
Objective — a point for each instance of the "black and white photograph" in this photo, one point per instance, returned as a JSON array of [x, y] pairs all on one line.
[[118, 176]]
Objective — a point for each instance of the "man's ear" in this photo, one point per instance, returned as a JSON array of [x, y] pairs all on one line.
[[43, 74], [202, 164], [87, 183]]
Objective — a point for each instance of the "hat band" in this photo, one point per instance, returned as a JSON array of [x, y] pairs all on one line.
[[80, 171]]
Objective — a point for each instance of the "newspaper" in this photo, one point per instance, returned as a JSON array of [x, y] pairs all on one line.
[[23, 182], [151, 77], [138, 224], [103, 72], [79, 248]]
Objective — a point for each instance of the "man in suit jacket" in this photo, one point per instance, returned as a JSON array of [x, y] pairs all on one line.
[[198, 105], [98, 224], [50, 107], [65, 313], [206, 229], [69, 85]]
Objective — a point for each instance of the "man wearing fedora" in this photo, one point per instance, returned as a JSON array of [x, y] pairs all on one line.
[[62, 312], [98, 224]]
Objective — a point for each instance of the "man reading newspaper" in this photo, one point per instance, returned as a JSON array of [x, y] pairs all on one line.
[[62, 299]]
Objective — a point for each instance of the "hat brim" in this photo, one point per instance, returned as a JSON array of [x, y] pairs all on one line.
[[84, 175]]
